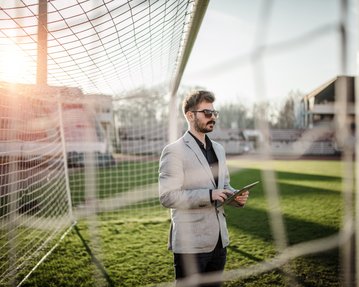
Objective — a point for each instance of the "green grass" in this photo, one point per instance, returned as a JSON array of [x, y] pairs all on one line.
[[111, 181], [133, 249]]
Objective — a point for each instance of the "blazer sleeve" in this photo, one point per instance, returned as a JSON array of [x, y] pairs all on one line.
[[171, 179]]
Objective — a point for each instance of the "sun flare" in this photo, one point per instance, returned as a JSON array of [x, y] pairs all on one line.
[[14, 64]]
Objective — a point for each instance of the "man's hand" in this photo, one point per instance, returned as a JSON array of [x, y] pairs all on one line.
[[219, 194], [242, 199]]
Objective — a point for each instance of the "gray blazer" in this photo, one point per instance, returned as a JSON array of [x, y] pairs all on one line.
[[185, 179]]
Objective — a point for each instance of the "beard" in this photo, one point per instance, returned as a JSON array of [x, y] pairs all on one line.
[[204, 127]]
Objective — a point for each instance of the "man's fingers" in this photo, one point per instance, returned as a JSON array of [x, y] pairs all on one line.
[[224, 196], [220, 195]]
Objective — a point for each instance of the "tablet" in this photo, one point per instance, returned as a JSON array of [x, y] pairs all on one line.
[[236, 193]]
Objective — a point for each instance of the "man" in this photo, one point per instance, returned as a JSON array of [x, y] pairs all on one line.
[[193, 177]]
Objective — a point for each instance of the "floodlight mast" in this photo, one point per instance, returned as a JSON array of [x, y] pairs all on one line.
[[41, 72]]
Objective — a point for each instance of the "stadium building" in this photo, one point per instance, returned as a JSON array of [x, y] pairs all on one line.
[[31, 122]]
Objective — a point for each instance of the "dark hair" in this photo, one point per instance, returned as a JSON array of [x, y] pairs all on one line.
[[194, 98]]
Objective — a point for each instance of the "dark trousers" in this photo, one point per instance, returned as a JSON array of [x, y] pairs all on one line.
[[189, 264]]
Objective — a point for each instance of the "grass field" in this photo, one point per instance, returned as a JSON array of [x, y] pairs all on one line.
[[133, 250]]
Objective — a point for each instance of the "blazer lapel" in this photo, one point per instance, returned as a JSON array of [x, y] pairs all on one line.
[[192, 144]]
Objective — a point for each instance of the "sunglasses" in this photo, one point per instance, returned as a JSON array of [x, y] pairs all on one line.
[[208, 113]]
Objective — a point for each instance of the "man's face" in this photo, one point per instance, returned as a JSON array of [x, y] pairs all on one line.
[[201, 123]]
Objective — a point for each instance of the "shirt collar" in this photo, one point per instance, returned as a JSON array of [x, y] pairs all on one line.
[[201, 145]]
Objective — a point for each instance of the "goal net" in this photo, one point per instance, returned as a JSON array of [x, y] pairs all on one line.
[[35, 204], [85, 140], [82, 129]]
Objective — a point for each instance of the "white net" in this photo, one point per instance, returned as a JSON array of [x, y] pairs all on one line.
[[86, 148], [329, 129], [35, 204], [106, 47], [86, 139]]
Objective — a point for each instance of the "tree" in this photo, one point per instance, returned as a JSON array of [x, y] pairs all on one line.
[[287, 117], [234, 116], [264, 111], [141, 105]]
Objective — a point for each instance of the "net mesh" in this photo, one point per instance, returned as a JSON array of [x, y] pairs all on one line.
[[86, 146], [35, 206], [88, 142], [107, 47]]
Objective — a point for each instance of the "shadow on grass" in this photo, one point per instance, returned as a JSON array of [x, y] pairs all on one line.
[[308, 213], [94, 260], [249, 175], [255, 221], [248, 255], [294, 199], [299, 202]]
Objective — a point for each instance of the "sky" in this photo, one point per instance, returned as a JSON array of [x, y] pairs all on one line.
[[302, 48]]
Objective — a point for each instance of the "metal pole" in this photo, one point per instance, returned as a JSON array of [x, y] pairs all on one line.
[[200, 8], [41, 73], [356, 164], [64, 155]]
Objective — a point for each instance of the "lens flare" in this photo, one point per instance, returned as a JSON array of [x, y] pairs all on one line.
[[14, 64]]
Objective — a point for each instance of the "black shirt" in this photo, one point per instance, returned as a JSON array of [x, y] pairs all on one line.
[[209, 154]]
